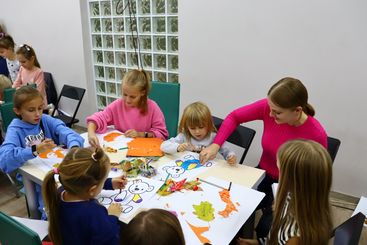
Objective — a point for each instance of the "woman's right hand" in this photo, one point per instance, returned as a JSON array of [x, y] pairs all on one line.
[[93, 140], [209, 153], [115, 209]]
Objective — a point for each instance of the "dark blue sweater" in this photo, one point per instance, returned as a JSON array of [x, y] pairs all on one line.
[[87, 222]]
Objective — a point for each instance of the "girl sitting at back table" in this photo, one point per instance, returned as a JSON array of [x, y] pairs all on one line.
[[75, 216], [134, 114], [154, 226], [30, 71], [302, 210], [33, 133], [197, 131]]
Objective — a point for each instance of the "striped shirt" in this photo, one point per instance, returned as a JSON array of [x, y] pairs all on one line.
[[289, 227]]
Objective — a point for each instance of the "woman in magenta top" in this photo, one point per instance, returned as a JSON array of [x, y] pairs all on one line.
[[134, 114], [286, 115]]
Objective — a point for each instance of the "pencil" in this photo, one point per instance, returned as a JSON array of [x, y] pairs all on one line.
[[230, 185], [210, 183]]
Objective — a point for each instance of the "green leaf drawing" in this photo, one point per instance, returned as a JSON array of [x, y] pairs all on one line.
[[204, 211]]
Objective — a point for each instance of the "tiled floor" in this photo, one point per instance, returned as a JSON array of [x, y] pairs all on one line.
[[342, 206]]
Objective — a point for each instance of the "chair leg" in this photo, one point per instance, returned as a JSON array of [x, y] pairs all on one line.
[[14, 186]]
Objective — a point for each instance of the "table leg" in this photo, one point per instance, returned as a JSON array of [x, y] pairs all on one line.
[[31, 195]]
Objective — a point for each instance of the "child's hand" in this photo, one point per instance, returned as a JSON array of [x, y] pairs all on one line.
[[231, 159], [46, 144], [115, 209], [184, 147], [119, 182], [132, 133], [93, 140]]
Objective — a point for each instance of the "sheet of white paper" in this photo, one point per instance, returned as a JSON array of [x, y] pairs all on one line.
[[137, 192], [38, 226], [361, 207], [221, 229], [117, 142], [46, 163], [187, 166]]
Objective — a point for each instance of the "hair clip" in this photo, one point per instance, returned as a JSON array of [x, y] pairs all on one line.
[[56, 170], [26, 47], [94, 156]]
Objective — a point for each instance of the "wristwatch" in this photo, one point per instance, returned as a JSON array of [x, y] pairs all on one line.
[[34, 150]]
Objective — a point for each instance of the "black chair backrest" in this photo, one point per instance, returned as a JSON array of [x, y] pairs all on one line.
[[333, 146], [50, 88], [242, 136], [349, 232], [73, 93]]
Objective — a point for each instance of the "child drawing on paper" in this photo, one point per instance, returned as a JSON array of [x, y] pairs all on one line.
[[134, 114], [74, 215], [128, 197], [196, 131]]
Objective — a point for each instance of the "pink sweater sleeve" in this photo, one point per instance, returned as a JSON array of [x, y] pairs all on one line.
[[247, 113], [39, 80], [104, 118]]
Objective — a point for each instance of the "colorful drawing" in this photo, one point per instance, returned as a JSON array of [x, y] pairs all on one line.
[[54, 153], [204, 211], [170, 186], [133, 194], [112, 136], [188, 162], [198, 230], [230, 207]]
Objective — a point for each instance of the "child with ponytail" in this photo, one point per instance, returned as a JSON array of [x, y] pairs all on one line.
[[75, 216]]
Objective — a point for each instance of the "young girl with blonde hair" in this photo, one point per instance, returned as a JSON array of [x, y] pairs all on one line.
[[134, 114], [196, 131], [74, 215], [302, 210]]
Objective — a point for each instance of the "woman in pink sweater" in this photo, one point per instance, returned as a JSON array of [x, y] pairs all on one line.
[[286, 115], [134, 114]]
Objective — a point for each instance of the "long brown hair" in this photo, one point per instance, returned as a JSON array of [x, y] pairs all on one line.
[[288, 93], [78, 172], [306, 175], [154, 226], [195, 115], [28, 52], [141, 80]]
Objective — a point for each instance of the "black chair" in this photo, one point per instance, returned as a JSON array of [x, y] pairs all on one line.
[[70, 93], [242, 136], [333, 146], [50, 88], [349, 232]]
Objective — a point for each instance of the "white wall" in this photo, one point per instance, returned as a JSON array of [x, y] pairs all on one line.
[[54, 30], [231, 52]]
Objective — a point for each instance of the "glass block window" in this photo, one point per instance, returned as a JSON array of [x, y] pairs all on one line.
[[115, 46]]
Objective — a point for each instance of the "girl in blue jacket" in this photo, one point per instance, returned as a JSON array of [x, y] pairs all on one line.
[[33, 133]]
